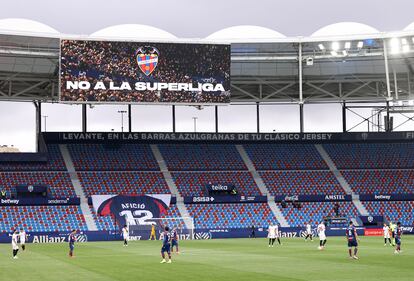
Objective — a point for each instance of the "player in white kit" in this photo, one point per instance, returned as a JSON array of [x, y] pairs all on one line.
[[387, 236], [22, 237], [322, 235], [273, 234], [125, 235], [308, 232], [15, 245]]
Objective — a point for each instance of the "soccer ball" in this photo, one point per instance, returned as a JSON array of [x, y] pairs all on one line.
[[319, 248]]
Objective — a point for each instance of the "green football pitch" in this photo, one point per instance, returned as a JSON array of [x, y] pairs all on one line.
[[224, 259]]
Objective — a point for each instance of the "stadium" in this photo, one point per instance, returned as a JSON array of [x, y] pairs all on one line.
[[288, 158]]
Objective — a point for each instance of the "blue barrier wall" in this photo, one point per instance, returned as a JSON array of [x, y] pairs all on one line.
[[313, 198], [224, 199], [62, 237], [39, 201], [90, 236], [386, 197]]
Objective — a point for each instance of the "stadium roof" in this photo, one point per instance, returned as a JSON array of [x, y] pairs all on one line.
[[340, 62], [409, 27], [135, 31], [243, 33], [344, 28], [25, 25]]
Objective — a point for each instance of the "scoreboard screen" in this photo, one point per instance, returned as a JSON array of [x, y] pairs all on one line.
[[144, 72]]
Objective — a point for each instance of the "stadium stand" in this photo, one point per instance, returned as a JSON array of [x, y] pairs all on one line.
[[216, 216], [41, 218], [392, 210], [59, 183], [172, 212], [193, 183], [202, 157], [371, 155], [314, 212], [54, 163], [123, 183], [301, 182], [285, 157], [380, 181], [125, 157], [103, 222], [290, 169]]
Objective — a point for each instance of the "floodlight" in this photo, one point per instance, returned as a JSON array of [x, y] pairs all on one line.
[[335, 46], [405, 48], [309, 61], [395, 45]]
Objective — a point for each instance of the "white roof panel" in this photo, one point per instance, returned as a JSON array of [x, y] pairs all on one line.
[[344, 28], [25, 25], [244, 33], [135, 31]]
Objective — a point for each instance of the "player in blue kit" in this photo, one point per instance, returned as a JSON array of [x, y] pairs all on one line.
[[352, 237], [166, 247], [397, 235], [174, 240], [72, 240]]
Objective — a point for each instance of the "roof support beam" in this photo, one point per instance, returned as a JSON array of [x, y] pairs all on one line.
[[244, 92], [278, 91], [3, 93], [321, 90], [357, 89], [30, 88]]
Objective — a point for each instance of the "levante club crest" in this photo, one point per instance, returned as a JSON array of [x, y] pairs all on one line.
[[147, 59]]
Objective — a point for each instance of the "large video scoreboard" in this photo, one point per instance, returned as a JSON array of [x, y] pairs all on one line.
[[144, 72]]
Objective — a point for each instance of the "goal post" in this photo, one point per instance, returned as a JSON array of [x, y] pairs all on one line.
[[141, 230]]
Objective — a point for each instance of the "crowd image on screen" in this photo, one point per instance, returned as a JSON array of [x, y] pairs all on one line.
[[116, 62]]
